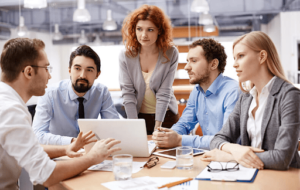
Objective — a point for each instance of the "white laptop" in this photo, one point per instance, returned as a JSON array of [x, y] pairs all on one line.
[[131, 132]]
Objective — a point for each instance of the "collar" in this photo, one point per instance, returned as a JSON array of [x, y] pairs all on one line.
[[213, 88], [74, 96], [266, 89]]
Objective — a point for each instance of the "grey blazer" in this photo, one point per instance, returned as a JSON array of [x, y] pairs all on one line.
[[280, 126], [133, 85]]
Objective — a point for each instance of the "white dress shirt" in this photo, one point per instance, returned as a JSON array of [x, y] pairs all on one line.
[[18, 144], [254, 123]]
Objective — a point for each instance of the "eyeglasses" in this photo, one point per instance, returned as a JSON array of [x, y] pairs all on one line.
[[151, 162], [230, 166], [48, 68]]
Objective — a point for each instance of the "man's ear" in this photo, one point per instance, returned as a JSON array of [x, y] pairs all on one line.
[[214, 64], [263, 55], [70, 71], [28, 72], [98, 74]]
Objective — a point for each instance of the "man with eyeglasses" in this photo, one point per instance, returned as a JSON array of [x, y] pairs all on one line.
[[57, 112], [25, 73]]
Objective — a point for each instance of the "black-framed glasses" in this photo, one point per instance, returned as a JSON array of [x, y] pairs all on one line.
[[230, 166], [48, 68], [151, 162]]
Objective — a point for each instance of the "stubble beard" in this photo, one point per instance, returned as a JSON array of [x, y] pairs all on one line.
[[202, 79]]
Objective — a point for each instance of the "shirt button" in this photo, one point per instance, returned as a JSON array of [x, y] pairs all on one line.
[[206, 113]]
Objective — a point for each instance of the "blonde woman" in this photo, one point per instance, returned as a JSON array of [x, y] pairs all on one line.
[[147, 68], [266, 116]]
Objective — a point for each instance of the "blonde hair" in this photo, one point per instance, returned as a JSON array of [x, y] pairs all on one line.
[[258, 41]]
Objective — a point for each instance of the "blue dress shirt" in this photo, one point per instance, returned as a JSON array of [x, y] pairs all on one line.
[[55, 120], [210, 109]]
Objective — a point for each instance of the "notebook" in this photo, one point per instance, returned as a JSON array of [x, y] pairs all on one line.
[[131, 132], [242, 175]]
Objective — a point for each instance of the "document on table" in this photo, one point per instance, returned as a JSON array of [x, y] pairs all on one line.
[[106, 165], [151, 146], [150, 183], [242, 175]]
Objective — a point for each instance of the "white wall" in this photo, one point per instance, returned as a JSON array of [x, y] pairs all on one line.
[[290, 34], [284, 31]]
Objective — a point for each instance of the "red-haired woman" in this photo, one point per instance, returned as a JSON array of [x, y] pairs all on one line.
[[147, 68]]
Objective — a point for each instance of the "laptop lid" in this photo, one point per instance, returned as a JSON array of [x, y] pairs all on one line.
[[131, 132]]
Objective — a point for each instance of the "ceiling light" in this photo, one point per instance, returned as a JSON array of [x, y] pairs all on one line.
[[97, 40], [209, 28], [21, 29], [205, 19], [109, 24], [82, 39], [57, 35], [81, 14], [199, 6], [35, 4]]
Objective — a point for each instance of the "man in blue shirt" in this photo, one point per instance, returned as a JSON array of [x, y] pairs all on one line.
[[55, 120], [210, 102]]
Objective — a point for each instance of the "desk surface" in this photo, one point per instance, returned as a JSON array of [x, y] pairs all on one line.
[[265, 179]]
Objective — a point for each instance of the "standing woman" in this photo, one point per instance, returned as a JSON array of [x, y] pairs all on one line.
[[266, 116], [147, 68]]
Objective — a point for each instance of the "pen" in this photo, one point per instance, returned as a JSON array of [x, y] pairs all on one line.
[[168, 185], [97, 137]]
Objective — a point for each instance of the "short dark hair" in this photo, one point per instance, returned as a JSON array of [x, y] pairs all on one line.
[[17, 54], [212, 50], [86, 51]]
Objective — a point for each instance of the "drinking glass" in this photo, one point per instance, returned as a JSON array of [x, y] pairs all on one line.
[[122, 166], [184, 158]]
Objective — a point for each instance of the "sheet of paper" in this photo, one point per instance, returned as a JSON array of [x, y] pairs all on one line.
[[242, 174], [150, 183], [106, 165], [151, 146]]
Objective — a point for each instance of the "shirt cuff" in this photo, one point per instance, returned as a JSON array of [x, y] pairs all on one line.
[[187, 140], [131, 111], [47, 170], [222, 145], [66, 140]]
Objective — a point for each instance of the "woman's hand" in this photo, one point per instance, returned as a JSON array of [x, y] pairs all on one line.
[[216, 155], [77, 144], [245, 155]]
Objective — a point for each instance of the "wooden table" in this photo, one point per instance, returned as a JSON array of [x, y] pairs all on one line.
[[265, 179]]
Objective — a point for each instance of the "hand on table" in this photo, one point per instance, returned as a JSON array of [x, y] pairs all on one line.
[[166, 138], [78, 143], [246, 156], [102, 149], [216, 155]]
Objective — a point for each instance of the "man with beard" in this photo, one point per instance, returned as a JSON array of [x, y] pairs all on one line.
[[25, 73], [55, 120], [210, 102]]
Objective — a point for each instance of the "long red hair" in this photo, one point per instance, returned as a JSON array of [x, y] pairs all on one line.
[[160, 20]]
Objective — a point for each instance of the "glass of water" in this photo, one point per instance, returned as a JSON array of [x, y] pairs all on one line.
[[122, 166], [184, 158]]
